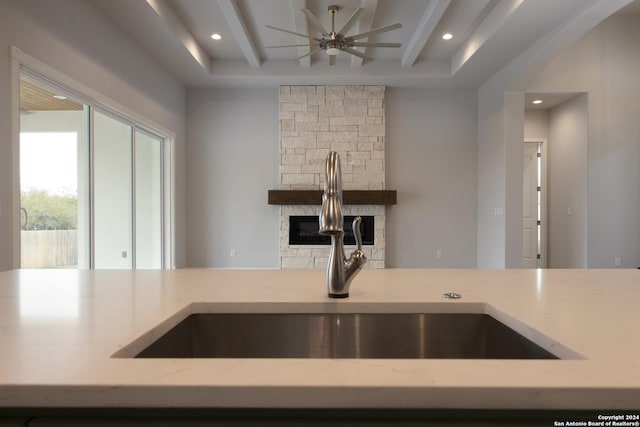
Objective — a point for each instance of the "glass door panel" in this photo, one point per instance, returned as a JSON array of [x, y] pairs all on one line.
[[148, 201], [54, 164], [112, 189]]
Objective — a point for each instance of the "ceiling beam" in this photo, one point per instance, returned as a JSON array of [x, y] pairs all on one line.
[[428, 23], [487, 29], [239, 30], [364, 25], [177, 27], [301, 26]]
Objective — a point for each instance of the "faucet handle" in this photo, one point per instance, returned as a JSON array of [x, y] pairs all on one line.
[[356, 231], [357, 258]]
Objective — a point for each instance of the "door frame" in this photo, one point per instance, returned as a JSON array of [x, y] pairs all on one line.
[[35, 68], [543, 198]]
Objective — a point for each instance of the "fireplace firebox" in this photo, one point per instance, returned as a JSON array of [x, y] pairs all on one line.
[[303, 230]]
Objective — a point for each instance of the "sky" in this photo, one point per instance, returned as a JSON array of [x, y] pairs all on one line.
[[49, 161]]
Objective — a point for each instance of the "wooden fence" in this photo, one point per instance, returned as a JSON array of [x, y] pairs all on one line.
[[49, 249]]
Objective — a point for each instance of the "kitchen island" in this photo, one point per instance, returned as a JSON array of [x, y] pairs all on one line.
[[68, 338]]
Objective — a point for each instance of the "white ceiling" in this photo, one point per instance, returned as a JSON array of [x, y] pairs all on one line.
[[488, 34]]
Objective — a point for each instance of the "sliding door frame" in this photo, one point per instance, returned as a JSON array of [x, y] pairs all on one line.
[[22, 63]]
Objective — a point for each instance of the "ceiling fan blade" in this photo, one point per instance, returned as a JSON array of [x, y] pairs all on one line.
[[351, 21], [291, 32], [362, 44], [332, 60], [355, 52], [287, 45], [310, 53], [372, 32], [314, 21]]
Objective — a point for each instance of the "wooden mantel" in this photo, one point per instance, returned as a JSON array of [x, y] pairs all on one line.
[[349, 197]]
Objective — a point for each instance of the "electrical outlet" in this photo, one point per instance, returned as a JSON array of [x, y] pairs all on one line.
[[617, 261], [124, 254], [439, 253], [232, 253]]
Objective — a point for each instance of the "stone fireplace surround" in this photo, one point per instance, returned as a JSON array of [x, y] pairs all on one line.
[[313, 121]]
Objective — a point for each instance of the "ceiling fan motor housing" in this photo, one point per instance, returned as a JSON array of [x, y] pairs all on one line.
[[332, 46]]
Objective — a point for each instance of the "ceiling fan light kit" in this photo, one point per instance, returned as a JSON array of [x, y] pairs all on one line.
[[335, 42], [332, 51]]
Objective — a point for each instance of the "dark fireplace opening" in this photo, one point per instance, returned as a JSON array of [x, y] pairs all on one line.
[[303, 230]]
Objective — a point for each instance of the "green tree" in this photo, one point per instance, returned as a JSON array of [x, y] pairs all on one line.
[[44, 211]]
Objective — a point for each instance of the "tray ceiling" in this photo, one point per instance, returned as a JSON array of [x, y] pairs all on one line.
[[487, 34]]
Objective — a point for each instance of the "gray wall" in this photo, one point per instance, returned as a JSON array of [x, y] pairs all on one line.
[[491, 179], [567, 184], [605, 64], [431, 162], [233, 161], [76, 39], [233, 158], [536, 125]]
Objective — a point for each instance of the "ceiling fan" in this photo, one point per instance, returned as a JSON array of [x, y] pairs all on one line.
[[336, 41]]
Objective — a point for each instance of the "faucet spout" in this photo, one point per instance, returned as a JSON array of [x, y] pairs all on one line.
[[331, 218], [333, 174], [340, 270]]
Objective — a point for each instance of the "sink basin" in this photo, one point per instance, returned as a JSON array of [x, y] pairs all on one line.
[[350, 335]]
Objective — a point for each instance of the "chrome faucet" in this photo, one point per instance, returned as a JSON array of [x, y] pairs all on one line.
[[340, 271]]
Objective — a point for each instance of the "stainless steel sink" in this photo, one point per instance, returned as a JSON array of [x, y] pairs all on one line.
[[322, 335]]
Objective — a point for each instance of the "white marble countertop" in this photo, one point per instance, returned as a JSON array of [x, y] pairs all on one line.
[[60, 329]]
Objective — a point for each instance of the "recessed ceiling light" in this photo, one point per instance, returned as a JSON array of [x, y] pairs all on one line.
[[216, 36], [447, 36], [60, 97], [537, 101]]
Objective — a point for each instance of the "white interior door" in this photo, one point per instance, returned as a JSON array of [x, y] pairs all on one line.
[[530, 207]]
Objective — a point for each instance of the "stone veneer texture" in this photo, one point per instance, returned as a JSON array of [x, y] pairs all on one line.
[[313, 121]]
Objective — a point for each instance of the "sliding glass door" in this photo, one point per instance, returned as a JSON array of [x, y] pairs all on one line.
[[112, 193], [127, 189], [148, 200], [54, 170], [92, 186]]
